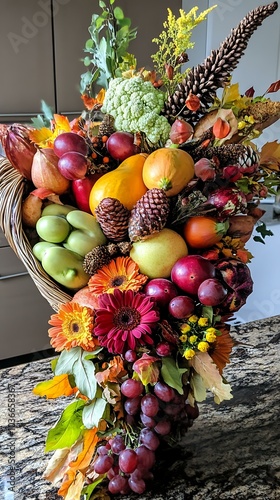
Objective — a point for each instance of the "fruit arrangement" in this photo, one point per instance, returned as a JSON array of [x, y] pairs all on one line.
[[140, 209]]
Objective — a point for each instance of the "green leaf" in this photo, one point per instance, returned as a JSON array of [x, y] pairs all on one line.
[[87, 491], [89, 44], [54, 363], [46, 110], [87, 61], [262, 229], [198, 387], [68, 428], [66, 361], [102, 4], [258, 239], [84, 373], [118, 13], [207, 312], [93, 412], [172, 374]]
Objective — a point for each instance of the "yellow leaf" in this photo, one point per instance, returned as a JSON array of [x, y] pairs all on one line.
[[58, 386], [231, 93], [270, 155], [41, 136], [85, 456], [75, 489]]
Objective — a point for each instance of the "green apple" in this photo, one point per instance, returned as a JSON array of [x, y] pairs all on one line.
[[157, 254], [53, 228]]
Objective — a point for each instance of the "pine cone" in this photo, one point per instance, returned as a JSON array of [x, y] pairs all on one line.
[[102, 254], [204, 80], [106, 127], [113, 219], [96, 258], [228, 154], [149, 215]]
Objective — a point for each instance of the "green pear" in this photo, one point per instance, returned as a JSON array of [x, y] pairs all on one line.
[[157, 254]]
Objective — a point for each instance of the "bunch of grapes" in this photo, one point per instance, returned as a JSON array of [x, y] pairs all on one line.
[[127, 459]]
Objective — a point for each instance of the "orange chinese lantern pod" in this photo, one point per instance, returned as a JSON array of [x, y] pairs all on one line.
[[221, 128], [192, 102]]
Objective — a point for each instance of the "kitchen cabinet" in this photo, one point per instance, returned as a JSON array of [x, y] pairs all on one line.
[[41, 50], [24, 312]]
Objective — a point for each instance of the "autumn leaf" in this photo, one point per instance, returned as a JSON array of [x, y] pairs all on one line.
[[93, 102], [212, 379], [114, 371], [58, 386], [85, 456], [41, 137], [72, 486], [231, 94], [59, 462], [274, 87], [270, 155]]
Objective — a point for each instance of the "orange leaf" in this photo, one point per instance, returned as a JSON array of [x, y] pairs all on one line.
[[93, 102], [114, 371], [61, 122], [58, 386], [274, 87], [85, 456], [42, 193], [270, 155]]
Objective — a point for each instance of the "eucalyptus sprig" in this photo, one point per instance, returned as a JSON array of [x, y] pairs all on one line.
[[173, 42], [111, 34]]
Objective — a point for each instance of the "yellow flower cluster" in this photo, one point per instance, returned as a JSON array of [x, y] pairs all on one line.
[[197, 335]]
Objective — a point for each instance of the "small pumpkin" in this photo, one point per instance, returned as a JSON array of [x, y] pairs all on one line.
[[125, 183], [169, 169], [203, 232]]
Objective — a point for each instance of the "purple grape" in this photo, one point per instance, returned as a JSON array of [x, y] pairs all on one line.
[[164, 392], [128, 460], [130, 356], [117, 444], [172, 410], [103, 463], [146, 457], [102, 450], [132, 388], [137, 485], [132, 405], [117, 484], [149, 405], [163, 427], [149, 439], [147, 421]]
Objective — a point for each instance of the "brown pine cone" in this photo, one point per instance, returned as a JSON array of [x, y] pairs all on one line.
[[113, 219], [149, 215], [96, 258], [106, 127], [204, 80]]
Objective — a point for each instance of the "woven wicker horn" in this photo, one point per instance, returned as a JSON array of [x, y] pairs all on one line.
[[11, 193]]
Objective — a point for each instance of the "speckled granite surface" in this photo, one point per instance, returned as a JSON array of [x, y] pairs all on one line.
[[231, 452]]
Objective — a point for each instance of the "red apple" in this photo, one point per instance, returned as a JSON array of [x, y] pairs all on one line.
[[190, 271], [120, 145], [163, 290], [211, 292], [181, 306], [81, 189]]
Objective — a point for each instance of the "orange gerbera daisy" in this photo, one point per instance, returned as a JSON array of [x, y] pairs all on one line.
[[221, 349], [72, 326], [122, 273]]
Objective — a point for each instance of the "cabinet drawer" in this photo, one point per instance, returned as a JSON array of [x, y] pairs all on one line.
[[10, 265]]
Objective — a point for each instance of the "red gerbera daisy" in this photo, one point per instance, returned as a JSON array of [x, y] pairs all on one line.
[[125, 320]]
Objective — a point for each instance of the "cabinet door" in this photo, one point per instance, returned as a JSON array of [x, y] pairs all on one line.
[[24, 312], [26, 62], [71, 32]]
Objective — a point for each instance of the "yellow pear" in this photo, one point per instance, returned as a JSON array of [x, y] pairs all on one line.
[[157, 254]]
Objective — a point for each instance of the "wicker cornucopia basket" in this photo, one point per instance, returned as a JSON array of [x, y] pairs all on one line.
[[11, 195]]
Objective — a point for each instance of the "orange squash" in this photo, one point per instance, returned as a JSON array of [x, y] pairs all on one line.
[[125, 183], [169, 169]]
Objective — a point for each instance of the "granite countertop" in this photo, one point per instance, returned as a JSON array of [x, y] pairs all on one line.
[[231, 452]]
